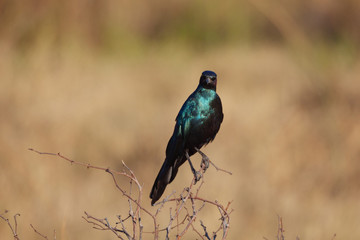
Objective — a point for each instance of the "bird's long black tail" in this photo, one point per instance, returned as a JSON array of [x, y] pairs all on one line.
[[165, 176], [161, 181]]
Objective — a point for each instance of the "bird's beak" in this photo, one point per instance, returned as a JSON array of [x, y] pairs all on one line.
[[208, 80]]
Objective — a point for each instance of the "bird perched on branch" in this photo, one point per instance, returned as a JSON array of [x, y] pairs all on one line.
[[197, 124]]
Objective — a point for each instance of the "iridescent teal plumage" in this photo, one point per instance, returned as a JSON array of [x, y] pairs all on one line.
[[197, 124], [196, 109]]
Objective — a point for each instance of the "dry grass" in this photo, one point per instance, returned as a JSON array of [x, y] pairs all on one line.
[[290, 135]]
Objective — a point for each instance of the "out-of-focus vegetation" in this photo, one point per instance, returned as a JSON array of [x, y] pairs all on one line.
[[102, 81], [113, 25]]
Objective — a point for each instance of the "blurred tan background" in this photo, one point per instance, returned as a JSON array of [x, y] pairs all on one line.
[[102, 81]]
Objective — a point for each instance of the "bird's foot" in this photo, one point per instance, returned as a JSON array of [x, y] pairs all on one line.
[[205, 162], [197, 176]]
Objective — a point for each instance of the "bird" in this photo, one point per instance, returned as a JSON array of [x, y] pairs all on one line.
[[197, 124]]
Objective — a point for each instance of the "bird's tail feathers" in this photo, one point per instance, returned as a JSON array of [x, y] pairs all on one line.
[[163, 178]]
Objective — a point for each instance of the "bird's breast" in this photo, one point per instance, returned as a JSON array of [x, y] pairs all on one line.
[[204, 100]]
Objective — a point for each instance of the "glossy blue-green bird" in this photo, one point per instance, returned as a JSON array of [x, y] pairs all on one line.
[[197, 124]]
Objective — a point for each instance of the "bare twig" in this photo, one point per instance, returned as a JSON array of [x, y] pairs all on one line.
[[169, 226], [131, 213], [220, 169], [122, 227], [137, 202], [37, 232], [197, 232], [206, 233], [162, 203], [280, 234], [103, 224], [193, 217], [13, 227], [87, 165]]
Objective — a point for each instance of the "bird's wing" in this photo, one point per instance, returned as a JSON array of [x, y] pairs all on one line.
[[184, 119]]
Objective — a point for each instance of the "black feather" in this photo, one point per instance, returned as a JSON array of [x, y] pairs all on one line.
[[197, 124]]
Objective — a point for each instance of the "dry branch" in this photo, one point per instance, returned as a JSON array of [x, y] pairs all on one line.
[[280, 234], [13, 227], [42, 235], [177, 206]]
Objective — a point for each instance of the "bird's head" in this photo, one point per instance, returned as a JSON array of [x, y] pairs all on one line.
[[208, 80]]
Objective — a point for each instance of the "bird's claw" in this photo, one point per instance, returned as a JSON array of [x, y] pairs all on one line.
[[197, 176], [205, 163]]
